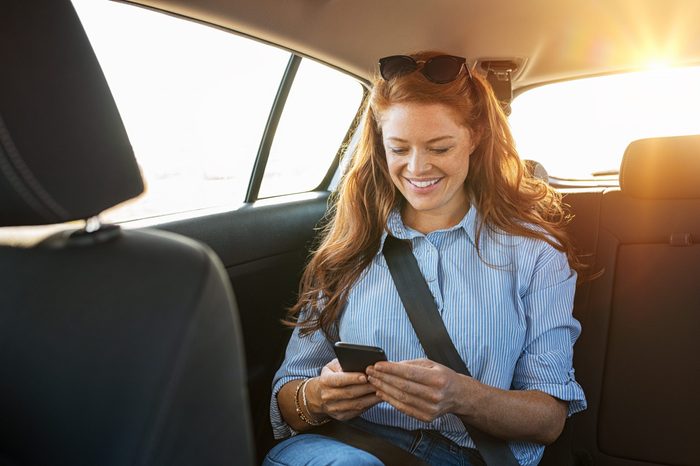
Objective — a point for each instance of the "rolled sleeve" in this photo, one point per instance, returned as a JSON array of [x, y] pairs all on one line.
[[304, 358], [546, 361]]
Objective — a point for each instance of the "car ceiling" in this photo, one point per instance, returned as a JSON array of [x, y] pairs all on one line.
[[553, 39]]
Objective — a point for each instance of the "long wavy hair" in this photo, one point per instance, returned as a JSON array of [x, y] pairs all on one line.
[[506, 196]]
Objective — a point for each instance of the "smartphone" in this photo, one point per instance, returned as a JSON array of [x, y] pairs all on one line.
[[356, 358]]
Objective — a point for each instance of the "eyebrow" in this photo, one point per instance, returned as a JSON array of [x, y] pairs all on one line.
[[440, 138]]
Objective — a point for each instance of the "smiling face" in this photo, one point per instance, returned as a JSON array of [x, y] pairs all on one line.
[[427, 152]]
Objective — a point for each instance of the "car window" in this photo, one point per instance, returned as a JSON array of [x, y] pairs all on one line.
[[319, 111], [195, 101], [580, 129]]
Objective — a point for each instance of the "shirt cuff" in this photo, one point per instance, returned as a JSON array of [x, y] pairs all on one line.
[[280, 429], [570, 392]]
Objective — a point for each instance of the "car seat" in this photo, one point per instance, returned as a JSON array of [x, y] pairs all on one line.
[[116, 346]]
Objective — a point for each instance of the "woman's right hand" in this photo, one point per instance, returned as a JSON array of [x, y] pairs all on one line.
[[340, 395]]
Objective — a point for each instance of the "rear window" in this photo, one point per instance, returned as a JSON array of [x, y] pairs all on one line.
[[579, 129]]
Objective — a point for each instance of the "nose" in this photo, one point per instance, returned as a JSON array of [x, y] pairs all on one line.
[[418, 162]]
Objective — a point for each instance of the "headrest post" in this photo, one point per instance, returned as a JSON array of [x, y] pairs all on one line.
[[93, 224]]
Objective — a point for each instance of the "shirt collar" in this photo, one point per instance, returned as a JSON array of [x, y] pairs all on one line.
[[398, 229]]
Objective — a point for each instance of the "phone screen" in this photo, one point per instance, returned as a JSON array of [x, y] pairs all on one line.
[[356, 358]]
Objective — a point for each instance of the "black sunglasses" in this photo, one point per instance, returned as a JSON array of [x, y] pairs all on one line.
[[440, 69]]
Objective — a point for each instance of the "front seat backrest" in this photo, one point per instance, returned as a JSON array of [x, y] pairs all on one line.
[[116, 347]]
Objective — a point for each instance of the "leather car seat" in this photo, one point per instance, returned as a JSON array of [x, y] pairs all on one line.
[[637, 355], [116, 346]]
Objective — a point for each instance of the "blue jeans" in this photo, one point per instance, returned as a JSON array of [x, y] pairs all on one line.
[[318, 450]]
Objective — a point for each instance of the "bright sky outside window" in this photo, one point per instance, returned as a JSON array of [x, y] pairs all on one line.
[[578, 128], [194, 100], [318, 113]]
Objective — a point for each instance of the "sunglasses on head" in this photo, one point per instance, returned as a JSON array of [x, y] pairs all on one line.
[[440, 69]]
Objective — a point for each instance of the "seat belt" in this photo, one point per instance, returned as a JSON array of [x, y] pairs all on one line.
[[432, 334], [387, 452]]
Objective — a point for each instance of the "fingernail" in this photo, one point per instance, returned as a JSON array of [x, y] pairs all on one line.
[[362, 379]]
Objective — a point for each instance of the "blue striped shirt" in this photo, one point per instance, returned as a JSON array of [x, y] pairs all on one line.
[[511, 321]]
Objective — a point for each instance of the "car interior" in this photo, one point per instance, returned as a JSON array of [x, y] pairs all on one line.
[[154, 340], [94, 376]]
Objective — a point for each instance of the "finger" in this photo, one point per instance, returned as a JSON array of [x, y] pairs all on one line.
[[362, 403], [422, 413], [341, 379], [334, 365], [352, 407], [348, 392], [423, 362], [416, 373], [403, 390]]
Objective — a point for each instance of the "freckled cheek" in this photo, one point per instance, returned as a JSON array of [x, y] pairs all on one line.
[[458, 168], [395, 168]]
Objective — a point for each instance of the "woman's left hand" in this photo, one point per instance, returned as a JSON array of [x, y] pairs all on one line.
[[420, 388]]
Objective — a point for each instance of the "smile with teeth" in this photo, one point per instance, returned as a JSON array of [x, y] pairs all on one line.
[[423, 183]]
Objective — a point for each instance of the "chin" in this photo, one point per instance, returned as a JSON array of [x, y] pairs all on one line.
[[422, 206]]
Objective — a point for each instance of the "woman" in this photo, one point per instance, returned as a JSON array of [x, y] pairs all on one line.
[[436, 165]]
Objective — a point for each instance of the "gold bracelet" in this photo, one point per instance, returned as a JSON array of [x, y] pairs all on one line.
[[307, 419], [303, 398]]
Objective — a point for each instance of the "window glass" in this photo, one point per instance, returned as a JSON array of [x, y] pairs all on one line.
[[194, 100], [319, 111], [580, 129]]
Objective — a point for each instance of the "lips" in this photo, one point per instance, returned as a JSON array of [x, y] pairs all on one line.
[[422, 184]]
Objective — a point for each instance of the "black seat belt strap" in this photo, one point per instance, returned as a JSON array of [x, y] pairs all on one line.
[[432, 334], [387, 452]]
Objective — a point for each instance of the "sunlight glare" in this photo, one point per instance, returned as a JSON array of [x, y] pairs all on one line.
[[576, 128]]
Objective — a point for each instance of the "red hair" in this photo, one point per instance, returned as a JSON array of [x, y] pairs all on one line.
[[503, 192]]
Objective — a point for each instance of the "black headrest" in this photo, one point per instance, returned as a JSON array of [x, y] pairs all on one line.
[[64, 152], [662, 168]]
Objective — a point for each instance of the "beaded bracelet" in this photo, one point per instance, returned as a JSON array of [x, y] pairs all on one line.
[[307, 419]]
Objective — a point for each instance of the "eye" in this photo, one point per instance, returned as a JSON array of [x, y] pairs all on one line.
[[440, 150], [398, 150]]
